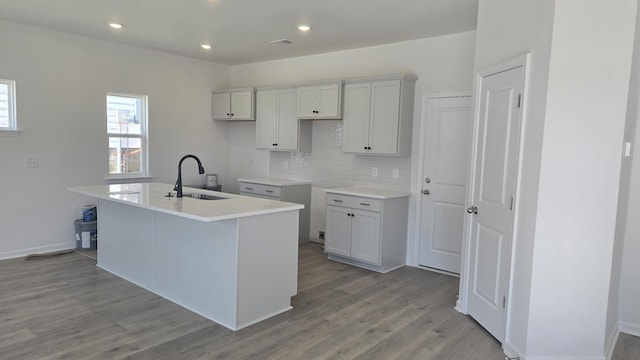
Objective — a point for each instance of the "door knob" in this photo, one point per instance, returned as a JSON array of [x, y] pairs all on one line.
[[472, 210], [426, 192]]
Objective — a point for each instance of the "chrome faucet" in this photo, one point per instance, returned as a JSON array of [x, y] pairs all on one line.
[[178, 186]]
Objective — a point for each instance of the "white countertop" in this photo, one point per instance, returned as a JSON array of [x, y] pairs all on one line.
[[274, 181], [153, 196], [369, 192]]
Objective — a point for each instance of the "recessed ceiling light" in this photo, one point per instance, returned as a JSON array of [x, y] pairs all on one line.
[[116, 25], [205, 46], [304, 27]]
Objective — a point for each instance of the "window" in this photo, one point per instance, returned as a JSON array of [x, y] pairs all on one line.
[[127, 131], [7, 105]]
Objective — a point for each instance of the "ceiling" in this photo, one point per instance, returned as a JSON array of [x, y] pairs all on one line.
[[240, 30]]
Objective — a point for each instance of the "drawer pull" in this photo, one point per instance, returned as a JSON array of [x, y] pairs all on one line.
[[336, 200], [365, 204], [269, 191], [248, 188]]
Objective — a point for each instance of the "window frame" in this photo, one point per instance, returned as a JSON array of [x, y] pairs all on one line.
[[12, 128], [143, 136]]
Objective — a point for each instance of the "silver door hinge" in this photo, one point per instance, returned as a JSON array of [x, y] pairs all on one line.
[[519, 100]]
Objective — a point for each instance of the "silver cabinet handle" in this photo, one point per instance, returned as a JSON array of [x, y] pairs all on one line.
[[248, 188], [365, 204], [472, 210], [336, 200], [269, 191]]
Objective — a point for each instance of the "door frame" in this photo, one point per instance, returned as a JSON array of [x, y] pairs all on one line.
[[523, 61], [420, 173]]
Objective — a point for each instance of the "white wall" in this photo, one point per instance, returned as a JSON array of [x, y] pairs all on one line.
[[61, 83], [570, 166], [442, 64], [582, 149], [628, 213]]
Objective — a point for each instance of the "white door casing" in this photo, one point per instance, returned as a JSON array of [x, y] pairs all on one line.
[[489, 232], [444, 181]]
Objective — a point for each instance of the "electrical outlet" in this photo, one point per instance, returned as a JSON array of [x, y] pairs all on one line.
[[31, 161], [396, 174], [286, 164], [321, 235], [374, 171]]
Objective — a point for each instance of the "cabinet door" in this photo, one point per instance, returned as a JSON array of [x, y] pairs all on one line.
[[266, 119], [328, 101], [307, 102], [242, 105], [287, 126], [221, 106], [357, 104], [385, 117], [338, 235], [365, 236]]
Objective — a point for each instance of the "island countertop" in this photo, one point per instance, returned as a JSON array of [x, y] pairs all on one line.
[[153, 196]]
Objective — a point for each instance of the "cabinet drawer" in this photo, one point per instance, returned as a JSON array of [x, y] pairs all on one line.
[[260, 189], [355, 202]]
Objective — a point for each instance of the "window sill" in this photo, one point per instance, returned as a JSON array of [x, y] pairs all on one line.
[[10, 132], [128, 178]]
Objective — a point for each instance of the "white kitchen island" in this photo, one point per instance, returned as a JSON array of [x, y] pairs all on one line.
[[233, 261]]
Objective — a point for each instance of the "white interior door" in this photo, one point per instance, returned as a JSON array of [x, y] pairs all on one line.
[[491, 210], [444, 182]]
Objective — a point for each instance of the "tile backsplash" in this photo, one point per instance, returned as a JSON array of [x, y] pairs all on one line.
[[327, 166]]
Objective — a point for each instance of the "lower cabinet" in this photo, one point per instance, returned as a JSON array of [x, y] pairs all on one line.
[[366, 232], [353, 233], [283, 190]]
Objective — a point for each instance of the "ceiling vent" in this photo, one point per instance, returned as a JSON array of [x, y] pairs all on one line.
[[281, 41]]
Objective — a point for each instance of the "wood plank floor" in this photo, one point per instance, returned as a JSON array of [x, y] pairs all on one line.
[[67, 308], [627, 348]]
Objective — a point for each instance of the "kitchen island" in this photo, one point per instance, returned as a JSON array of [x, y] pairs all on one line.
[[233, 260]]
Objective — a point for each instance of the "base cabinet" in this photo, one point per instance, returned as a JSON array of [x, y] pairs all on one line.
[[274, 189], [354, 234], [366, 232]]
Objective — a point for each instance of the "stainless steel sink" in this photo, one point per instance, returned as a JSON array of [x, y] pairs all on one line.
[[203, 196]]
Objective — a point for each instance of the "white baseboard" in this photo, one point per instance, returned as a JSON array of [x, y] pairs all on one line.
[[511, 351], [628, 328], [36, 250], [612, 339]]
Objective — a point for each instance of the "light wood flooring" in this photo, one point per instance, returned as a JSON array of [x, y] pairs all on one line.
[[66, 308]]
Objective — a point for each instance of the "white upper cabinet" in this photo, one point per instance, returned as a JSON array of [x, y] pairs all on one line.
[[320, 101], [378, 115], [277, 126], [233, 104]]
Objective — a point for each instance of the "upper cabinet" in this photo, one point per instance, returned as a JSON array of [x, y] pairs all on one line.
[[277, 126], [234, 104], [320, 101], [378, 115]]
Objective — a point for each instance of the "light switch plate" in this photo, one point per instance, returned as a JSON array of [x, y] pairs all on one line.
[[627, 149], [31, 161], [374, 171]]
